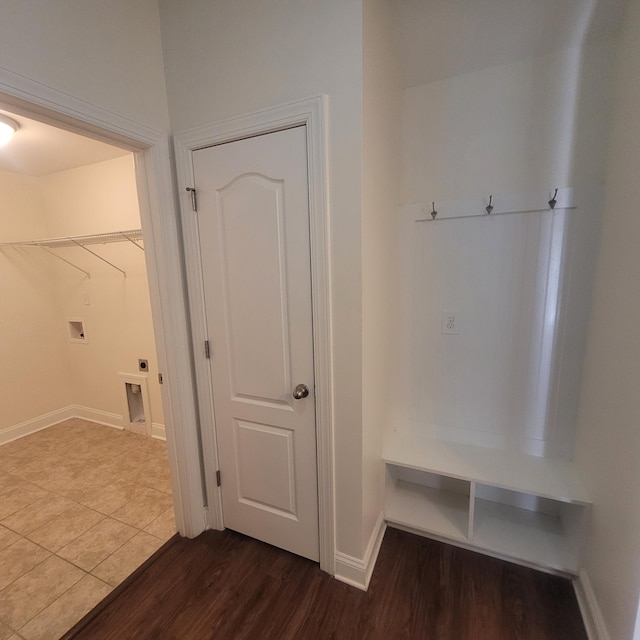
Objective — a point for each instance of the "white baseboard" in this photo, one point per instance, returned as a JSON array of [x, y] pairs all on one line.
[[35, 424], [105, 418], [46, 420], [356, 572], [158, 431], [373, 548], [350, 570], [589, 608]]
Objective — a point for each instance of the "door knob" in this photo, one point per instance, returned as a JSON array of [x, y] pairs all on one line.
[[301, 391]]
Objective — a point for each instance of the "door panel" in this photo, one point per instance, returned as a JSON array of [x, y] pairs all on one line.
[[265, 451], [253, 218], [251, 221]]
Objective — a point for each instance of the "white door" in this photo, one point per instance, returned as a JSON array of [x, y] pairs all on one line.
[[253, 217]]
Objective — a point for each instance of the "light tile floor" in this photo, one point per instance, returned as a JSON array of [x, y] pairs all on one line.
[[81, 506]]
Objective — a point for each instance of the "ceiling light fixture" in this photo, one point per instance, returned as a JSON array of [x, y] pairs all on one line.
[[7, 128]]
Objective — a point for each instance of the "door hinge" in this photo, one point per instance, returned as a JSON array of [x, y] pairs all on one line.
[[160, 380], [194, 202], [218, 480], [207, 349]]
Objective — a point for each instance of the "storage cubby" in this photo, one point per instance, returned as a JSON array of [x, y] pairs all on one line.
[[523, 508], [533, 529], [433, 503]]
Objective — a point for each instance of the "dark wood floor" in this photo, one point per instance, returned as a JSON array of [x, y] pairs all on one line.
[[225, 586]]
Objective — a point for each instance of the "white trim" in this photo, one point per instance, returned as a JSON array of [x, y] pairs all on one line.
[[105, 418], [165, 272], [355, 572], [589, 608], [312, 113], [8, 434], [204, 382], [158, 431], [373, 548], [350, 570], [115, 420], [154, 180], [46, 420]]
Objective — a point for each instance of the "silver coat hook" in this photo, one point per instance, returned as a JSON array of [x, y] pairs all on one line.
[[553, 202], [434, 213], [489, 207]]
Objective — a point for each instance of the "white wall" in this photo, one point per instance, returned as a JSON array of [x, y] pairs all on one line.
[[34, 376], [106, 53], [608, 442], [380, 196], [225, 58], [101, 198], [521, 283], [513, 128]]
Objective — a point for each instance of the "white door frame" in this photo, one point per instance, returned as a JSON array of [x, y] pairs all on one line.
[[164, 267], [312, 114]]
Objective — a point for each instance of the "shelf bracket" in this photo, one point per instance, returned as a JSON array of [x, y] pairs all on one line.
[[93, 253], [55, 255], [131, 240]]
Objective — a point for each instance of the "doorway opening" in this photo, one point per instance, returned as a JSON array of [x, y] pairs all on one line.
[[82, 494]]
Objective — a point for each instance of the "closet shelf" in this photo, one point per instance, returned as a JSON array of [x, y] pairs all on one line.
[[71, 241], [130, 235]]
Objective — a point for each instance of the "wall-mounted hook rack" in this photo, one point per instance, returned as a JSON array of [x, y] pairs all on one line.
[[498, 204]]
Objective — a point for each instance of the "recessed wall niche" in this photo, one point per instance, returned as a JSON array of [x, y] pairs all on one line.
[[77, 331]]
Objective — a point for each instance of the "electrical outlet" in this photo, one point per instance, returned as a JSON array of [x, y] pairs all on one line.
[[451, 322]]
